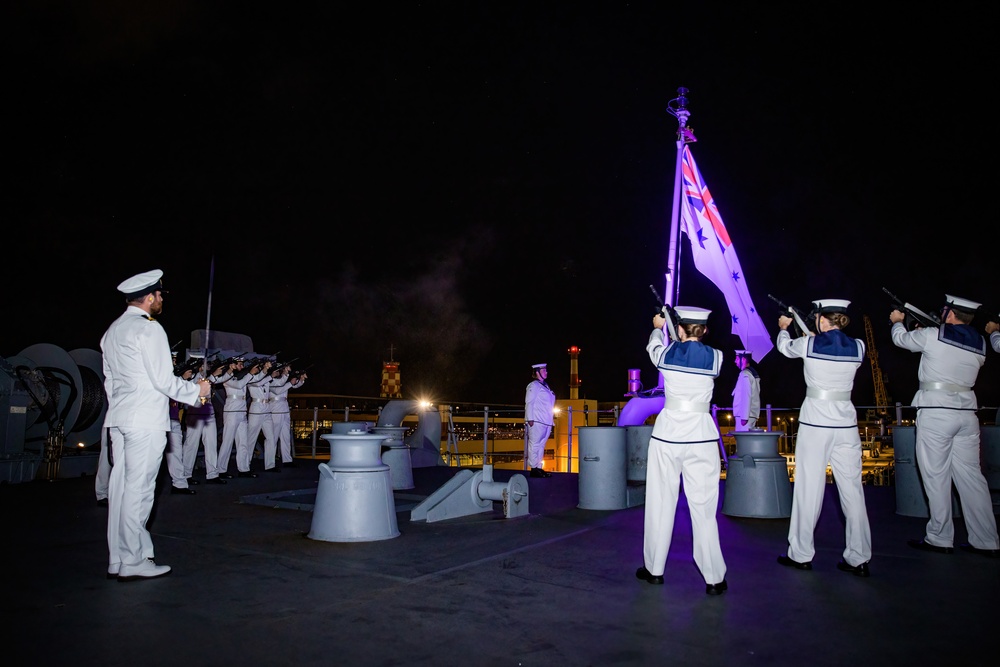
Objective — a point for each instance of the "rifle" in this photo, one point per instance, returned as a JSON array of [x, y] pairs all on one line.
[[283, 365], [299, 372], [914, 316], [216, 365], [797, 315], [664, 309], [257, 361], [192, 364]]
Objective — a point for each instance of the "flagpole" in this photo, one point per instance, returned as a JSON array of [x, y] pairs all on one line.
[[677, 107]]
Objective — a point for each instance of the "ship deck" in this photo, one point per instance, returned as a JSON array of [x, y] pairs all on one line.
[[555, 587]]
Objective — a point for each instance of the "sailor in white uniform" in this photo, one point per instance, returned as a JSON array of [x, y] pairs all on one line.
[[259, 421], [234, 417], [281, 422], [947, 434], [684, 444], [828, 433], [746, 393], [139, 382], [202, 429], [539, 401], [179, 482]]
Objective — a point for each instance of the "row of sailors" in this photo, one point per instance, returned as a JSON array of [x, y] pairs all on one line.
[[266, 385]]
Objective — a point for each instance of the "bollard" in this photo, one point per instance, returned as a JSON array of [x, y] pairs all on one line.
[[989, 452], [757, 484], [910, 497], [602, 468], [354, 501]]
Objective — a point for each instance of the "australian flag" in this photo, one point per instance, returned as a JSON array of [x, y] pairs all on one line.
[[715, 257]]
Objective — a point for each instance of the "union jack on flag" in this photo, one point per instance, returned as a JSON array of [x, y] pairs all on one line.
[[715, 257]]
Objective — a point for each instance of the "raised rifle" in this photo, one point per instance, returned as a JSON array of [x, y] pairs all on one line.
[[798, 316], [914, 316], [281, 366], [299, 372], [217, 364], [668, 313], [192, 364]]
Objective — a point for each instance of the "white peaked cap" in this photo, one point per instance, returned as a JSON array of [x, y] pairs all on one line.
[[744, 353], [832, 305], [141, 284], [961, 304], [537, 366], [692, 315]]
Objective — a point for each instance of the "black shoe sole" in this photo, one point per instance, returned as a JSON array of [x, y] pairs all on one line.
[[642, 574], [920, 545], [717, 589], [788, 562], [859, 571]]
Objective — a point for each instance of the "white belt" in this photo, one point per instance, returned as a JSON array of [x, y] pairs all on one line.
[[686, 406], [826, 395], [943, 386], [260, 400]]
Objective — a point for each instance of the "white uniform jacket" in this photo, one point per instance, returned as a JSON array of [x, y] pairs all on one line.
[[139, 375], [952, 355], [830, 362], [689, 370]]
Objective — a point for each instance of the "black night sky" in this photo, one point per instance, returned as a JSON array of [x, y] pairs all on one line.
[[481, 185]]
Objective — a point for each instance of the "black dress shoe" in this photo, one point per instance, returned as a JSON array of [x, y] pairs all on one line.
[[785, 560], [538, 472], [103, 502], [226, 475], [925, 546], [193, 482], [643, 573], [717, 589], [246, 474], [183, 492], [989, 553], [856, 570], [215, 480], [274, 469]]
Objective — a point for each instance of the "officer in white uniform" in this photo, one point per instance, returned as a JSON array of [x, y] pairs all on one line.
[[746, 393], [684, 444], [281, 421], [947, 434], [539, 401], [828, 433], [139, 382]]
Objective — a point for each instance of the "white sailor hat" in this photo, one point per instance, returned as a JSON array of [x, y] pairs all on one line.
[[692, 315], [963, 305], [537, 366], [744, 353], [831, 306], [142, 284]]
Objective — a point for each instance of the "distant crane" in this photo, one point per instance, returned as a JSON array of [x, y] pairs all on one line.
[[881, 397]]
